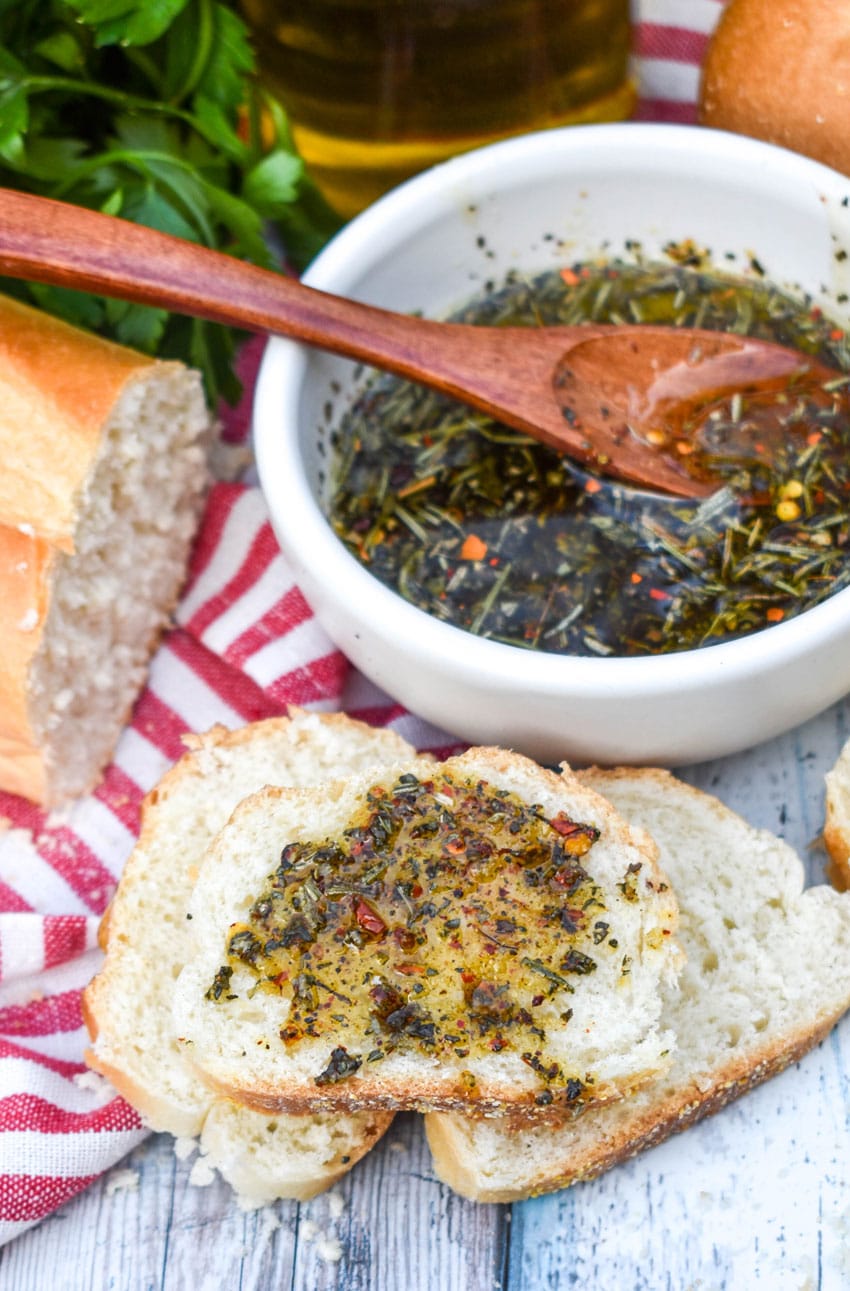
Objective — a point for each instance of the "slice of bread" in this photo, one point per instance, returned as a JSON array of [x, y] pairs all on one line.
[[145, 936], [481, 933], [767, 976], [104, 471], [836, 830]]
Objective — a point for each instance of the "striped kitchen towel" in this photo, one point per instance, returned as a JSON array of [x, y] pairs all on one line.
[[244, 646]]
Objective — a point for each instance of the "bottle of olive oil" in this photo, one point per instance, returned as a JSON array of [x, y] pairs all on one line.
[[377, 90]]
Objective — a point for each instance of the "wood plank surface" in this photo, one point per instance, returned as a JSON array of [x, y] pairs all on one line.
[[756, 1197]]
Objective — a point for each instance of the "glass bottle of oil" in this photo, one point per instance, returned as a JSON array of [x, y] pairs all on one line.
[[377, 90]]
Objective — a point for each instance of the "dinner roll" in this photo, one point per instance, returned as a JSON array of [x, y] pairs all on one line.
[[779, 70]]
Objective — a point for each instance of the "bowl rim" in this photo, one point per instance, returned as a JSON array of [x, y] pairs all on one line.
[[301, 523]]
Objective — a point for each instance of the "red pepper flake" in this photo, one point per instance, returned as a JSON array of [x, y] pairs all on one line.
[[474, 548], [814, 437], [368, 919], [592, 486], [658, 594], [570, 277], [563, 825], [636, 578], [775, 614], [410, 970], [578, 838], [836, 334]]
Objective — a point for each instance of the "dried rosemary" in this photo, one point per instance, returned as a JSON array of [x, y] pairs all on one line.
[[488, 530]]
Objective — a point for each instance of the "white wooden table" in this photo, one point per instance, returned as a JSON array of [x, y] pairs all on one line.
[[757, 1197]]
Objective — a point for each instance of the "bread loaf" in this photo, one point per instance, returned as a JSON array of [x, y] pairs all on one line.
[[779, 70], [104, 472], [484, 934], [146, 939], [767, 976]]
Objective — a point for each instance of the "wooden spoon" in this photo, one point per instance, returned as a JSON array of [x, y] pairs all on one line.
[[593, 392]]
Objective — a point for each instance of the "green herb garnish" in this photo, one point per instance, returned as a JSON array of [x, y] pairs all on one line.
[[150, 111]]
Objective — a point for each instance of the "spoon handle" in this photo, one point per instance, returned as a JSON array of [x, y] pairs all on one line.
[[506, 372], [69, 246]]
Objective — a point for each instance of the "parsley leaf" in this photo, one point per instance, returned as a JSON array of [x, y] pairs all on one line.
[[150, 110]]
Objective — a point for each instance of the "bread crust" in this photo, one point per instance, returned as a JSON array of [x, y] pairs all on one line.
[[778, 70], [26, 560], [57, 387], [646, 1129]]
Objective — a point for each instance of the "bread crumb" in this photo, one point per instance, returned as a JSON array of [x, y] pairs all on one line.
[[184, 1147], [122, 1181], [202, 1173], [336, 1204], [269, 1222], [329, 1249], [94, 1083], [307, 1229], [58, 818]]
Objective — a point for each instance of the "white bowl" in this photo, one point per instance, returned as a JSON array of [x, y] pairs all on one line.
[[538, 202]]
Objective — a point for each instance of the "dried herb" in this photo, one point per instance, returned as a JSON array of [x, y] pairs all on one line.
[[342, 1065], [488, 530], [477, 908]]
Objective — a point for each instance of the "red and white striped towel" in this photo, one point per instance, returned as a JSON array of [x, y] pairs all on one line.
[[245, 645]]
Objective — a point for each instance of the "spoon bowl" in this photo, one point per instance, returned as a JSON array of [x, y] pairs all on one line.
[[574, 388]]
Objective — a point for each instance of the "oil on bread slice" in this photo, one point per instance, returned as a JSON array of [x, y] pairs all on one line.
[[482, 934], [146, 934], [751, 999]]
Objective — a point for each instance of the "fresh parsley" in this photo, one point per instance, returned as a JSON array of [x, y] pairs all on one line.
[[150, 110]]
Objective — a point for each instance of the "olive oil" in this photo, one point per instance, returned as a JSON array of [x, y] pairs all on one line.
[[450, 918], [378, 90], [494, 533]]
